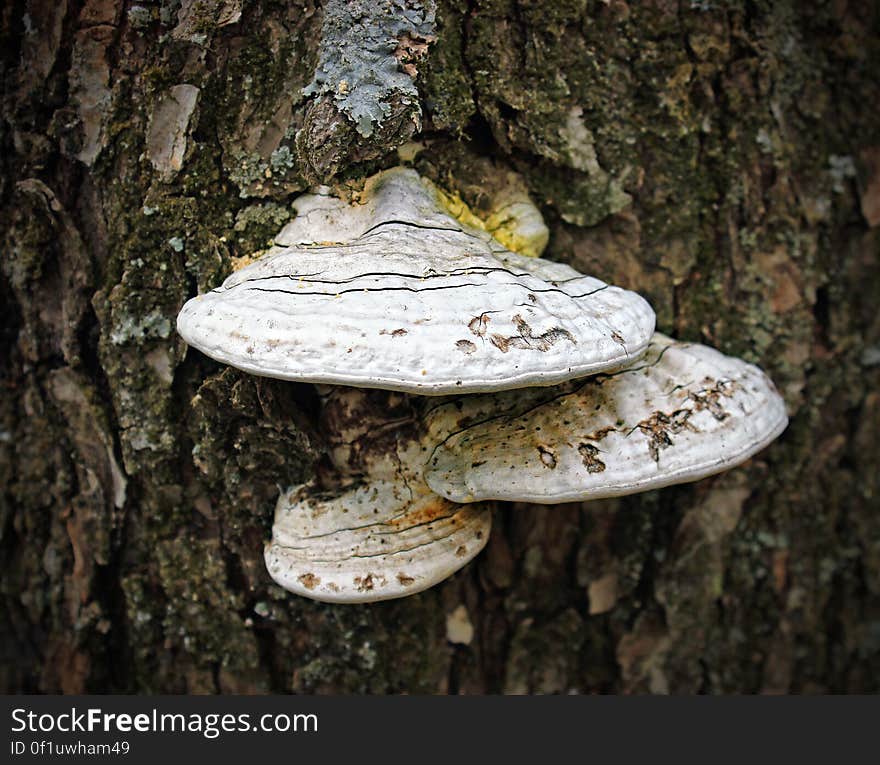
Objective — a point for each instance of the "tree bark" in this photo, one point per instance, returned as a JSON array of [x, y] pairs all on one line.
[[722, 158]]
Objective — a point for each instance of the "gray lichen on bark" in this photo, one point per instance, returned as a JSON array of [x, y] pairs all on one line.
[[363, 44], [367, 103]]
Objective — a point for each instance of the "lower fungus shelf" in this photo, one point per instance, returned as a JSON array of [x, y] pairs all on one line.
[[373, 542]]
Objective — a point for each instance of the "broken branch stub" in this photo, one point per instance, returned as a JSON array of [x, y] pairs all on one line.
[[682, 412], [391, 291]]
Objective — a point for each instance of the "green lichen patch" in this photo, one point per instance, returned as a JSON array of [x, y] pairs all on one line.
[[256, 225], [444, 84], [201, 618], [548, 89], [254, 100], [357, 648], [534, 667], [583, 199]]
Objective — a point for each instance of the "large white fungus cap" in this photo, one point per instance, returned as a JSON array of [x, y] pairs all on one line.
[[681, 413], [391, 291], [377, 541]]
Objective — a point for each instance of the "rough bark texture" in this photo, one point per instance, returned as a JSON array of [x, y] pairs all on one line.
[[723, 158]]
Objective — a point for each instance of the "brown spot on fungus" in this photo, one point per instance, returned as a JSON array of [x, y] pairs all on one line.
[[598, 435], [709, 397], [591, 462], [659, 425], [309, 581], [527, 340], [365, 583], [428, 511], [548, 458], [478, 325]]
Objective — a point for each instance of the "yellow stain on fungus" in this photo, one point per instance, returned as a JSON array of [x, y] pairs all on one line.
[[246, 260], [503, 224]]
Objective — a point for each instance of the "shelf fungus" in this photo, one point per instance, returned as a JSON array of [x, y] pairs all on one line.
[[392, 291], [380, 540], [370, 529], [680, 413]]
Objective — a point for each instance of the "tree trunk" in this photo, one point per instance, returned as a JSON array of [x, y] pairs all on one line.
[[722, 158]]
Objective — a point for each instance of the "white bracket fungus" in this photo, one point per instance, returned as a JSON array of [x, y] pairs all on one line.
[[375, 531], [377, 541], [393, 292], [680, 413]]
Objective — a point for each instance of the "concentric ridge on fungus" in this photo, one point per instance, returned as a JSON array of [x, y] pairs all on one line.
[[393, 292], [682, 412], [377, 541]]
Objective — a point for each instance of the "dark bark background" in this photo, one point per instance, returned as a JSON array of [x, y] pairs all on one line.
[[723, 158]]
